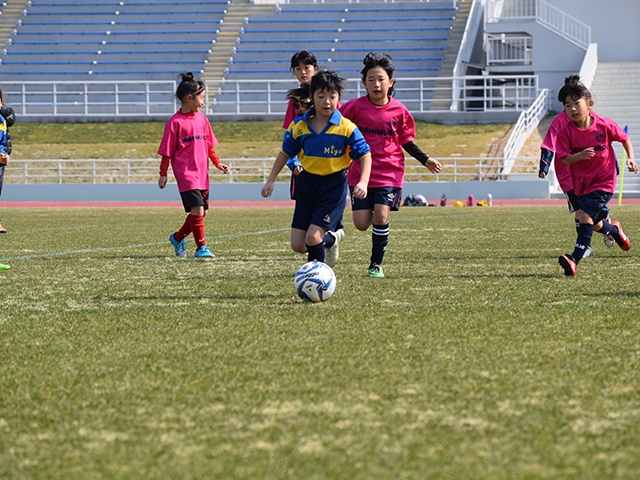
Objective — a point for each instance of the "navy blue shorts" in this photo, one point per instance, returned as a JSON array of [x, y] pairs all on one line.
[[320, 201], [195, 198], [572, 200], [594, 204], [389, 196]]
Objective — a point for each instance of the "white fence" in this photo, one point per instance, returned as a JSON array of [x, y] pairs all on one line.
[[278, 2], [242, 170], [545, 14], [257, 99], [508, 50]]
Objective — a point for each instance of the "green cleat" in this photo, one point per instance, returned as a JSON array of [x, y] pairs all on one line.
[[375, 271]]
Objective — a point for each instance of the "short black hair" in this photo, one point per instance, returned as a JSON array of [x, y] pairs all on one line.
[[327, 80], [303, 56], [378, 59], [573, 88]]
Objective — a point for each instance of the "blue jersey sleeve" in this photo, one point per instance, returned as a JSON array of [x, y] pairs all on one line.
[[293, 162], [359, 147]]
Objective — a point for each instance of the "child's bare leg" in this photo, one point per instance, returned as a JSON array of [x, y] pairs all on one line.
[[298, 240]]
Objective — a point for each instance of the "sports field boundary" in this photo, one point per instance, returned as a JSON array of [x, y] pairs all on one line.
[[276, 203]]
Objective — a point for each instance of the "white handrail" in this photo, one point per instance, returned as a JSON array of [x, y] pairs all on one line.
[[242, 170], [254, 98], [527, 122], [543, 13]]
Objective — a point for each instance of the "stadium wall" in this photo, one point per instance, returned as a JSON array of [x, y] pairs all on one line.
[[525, 188]]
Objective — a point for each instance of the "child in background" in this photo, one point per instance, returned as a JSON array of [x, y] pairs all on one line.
[[304, 66], [584, 144], [325, 143], [4, 159], [188, 143], [303, 102], [7, 119], [388, 128]]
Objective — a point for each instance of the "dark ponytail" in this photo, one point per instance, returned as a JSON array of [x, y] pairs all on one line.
[[188, 86]]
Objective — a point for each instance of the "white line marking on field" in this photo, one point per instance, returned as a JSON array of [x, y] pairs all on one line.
[[129, 247], [228, 235]]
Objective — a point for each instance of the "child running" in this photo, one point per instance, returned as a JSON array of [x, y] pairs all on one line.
[[585, 144], [388, 128], [304, 66], [325, 143], [188, 143], [563, 173]]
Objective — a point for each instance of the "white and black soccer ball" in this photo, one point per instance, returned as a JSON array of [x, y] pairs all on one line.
[[315, 282]]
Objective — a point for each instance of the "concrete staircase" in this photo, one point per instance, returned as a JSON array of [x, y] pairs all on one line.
[[443, 100], [616, 94], [10, 13], [225, 41]]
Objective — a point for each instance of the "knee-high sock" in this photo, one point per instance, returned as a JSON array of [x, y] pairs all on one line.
[[608, 229], [379, 241], [184, 231], [315, 252], [197, 227], [584, 240], [329, 240]]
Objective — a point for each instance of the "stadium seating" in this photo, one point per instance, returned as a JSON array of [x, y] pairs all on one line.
[[156, 40], [111, 40], [340, 36]]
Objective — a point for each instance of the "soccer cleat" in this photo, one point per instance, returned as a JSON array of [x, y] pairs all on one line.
[[4, 267], [2, 229], [568, 264], [624, 242], [204, 252], [332, 254], [375, 271], [587, 253], [181, 250]]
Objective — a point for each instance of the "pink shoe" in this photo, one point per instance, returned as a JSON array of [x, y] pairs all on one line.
[[624, 243], [568, 264]]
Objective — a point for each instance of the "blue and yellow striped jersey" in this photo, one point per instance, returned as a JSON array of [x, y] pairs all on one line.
[[3, 134], [328, 152]]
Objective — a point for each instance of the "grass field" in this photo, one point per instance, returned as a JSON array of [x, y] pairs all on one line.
[[474, 358]]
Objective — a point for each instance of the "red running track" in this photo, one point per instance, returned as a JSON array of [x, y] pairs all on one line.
[[267, 203]]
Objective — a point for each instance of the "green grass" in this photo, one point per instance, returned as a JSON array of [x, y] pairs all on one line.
[[34, 141], [474, 358]]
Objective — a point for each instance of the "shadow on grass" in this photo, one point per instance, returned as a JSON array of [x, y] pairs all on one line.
[[273, 299], [615, 294]]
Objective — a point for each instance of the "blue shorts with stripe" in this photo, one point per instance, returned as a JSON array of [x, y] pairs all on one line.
[[320, 200]]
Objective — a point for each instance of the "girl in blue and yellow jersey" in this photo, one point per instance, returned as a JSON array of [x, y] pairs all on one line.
[[325, 143]]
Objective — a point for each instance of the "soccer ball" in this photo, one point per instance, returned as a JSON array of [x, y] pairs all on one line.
[[315, 282]]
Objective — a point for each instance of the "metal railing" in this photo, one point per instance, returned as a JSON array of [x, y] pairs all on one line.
[[545, 14], [242, 170], [286, 2], [508, 50], [527, 122], [249, 99]]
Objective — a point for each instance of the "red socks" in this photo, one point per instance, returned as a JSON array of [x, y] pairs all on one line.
[[193, 224], [184, 231], [197, 228]]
